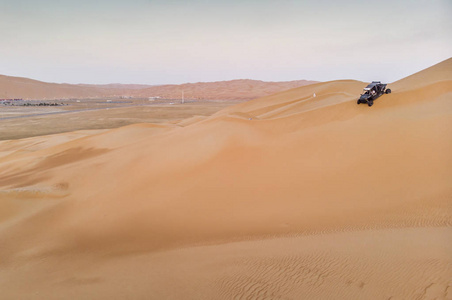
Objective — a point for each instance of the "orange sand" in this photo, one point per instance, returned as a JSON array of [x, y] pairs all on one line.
[[283, 197]]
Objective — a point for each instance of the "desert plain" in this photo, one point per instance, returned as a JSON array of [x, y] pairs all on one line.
[[288, 196]]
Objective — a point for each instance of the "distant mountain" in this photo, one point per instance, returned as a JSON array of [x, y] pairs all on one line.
[[118, 86], [18, 87], [241, 89]]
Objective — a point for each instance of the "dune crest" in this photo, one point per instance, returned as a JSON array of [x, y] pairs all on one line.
[[286, 196]]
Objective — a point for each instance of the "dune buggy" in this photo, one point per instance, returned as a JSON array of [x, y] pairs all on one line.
[[372, 92]]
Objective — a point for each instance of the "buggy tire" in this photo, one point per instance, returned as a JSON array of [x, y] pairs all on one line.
[[388, 91], [370, 103], [358, 102]]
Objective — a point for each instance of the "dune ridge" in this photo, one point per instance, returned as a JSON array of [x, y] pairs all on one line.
[[285, 196]]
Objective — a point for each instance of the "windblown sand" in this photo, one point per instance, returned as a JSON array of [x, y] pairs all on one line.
[[285, 197]]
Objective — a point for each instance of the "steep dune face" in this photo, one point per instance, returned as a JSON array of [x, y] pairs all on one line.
[[441, 72], [352, 189]]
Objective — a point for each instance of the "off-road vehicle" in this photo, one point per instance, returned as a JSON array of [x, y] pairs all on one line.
[[372, 92]]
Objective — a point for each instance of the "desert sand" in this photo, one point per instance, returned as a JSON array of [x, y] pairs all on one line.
[[289, 196]]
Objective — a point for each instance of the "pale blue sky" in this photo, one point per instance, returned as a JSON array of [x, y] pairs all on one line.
[[157, 42]]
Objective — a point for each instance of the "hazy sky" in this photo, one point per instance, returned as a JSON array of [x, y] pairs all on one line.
[[156, 42]]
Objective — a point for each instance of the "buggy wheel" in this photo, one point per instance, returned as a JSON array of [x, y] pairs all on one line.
[[388, 91], [358, 102], [370, 103]]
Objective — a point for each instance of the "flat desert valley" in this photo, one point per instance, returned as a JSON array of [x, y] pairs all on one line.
[[287, 196]]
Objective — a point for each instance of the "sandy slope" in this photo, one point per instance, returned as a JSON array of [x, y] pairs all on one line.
[[241, 89], [285, 197]]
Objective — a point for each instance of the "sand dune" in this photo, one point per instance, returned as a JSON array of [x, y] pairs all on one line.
[[242, 89], [18, 87], [289, 196]]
